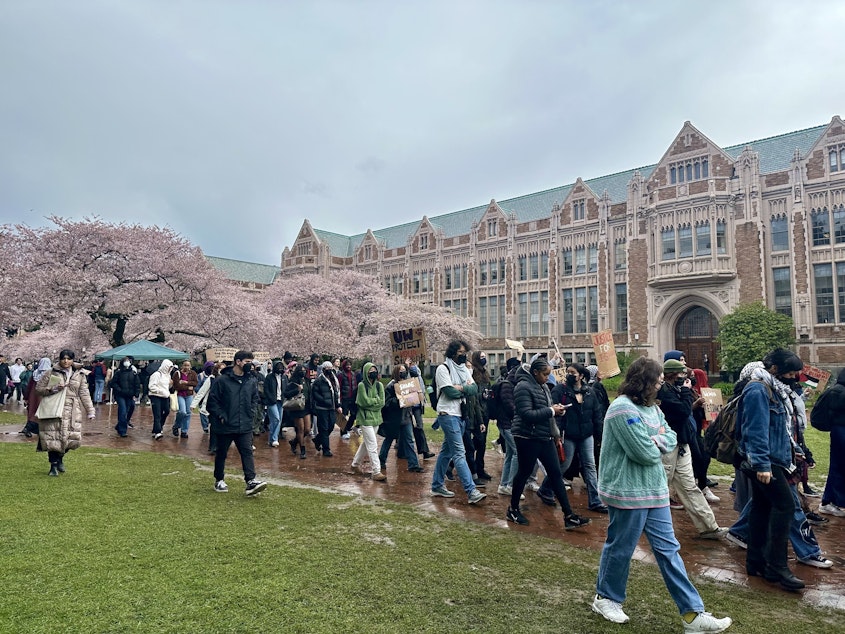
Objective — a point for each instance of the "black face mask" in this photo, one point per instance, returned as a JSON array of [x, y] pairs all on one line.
[[570, 380], [461, 359], [373, 376], [680, 381], [247, 368], [403, 375]]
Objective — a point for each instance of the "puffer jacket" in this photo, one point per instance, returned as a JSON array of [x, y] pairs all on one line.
[[125, 383], [325, 392], [534, 417], [65, 433], [507, 407], [160, 380], [581, 420], [232, 402]]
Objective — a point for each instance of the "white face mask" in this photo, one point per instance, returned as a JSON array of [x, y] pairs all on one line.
[[126, 364]]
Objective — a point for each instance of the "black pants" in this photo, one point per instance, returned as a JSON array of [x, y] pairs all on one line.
[[479, 446], [700, 461], [528, 451], [769, 520], [325, 427], [161, 409], [243, 442], [350, 410], [56, 457]]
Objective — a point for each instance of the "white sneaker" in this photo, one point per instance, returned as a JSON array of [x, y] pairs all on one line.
[[609, 609], [710, 496], [831, 509], [532, 485], [503, 490], [275, 443], [345, 436], [221, 487], [706, 622], [817, 561]]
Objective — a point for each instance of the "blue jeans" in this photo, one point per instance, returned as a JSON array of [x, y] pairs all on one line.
[[204, 421], [125, 408], [511, 462], [274, 411], [588, 468], [452, 449], [405, 444], [801, 534], [623, 533], [183, 416], [99, 384]]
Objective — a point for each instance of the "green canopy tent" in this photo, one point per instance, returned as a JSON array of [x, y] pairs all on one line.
[[142, 351]]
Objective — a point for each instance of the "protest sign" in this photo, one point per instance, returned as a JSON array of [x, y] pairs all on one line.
[[408, 344], [815, 378], [408, 392], [712, 403], [605, 352]]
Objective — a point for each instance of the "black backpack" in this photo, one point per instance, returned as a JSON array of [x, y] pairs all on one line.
[[720, 437], [820, 415], [493, 400], [435, 394]]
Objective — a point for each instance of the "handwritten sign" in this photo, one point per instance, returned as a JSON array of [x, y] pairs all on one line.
[[605, 352], [408, 344], [408, 392], [559, 374], [712, 403], [816, 375]]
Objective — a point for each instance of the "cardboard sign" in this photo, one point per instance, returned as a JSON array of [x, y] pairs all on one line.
[[408, 344], [816, 378], [605, 351], [559, 374], [408, 392], [712, 403]]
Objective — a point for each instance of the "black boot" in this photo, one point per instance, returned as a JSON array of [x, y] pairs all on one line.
[[54, 470], [60, 465], [784, 577]]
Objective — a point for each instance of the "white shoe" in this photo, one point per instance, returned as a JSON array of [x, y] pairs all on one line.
[[345, 436], [275, 443], [609, 609], [831, 509], [503, 490], [221, 487], [706, 622], [817, 561], [532, 485], [710, 496]]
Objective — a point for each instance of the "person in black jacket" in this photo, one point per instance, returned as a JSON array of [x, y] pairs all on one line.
[[676, 401], [325, 398], [301, 418], [534, 432], [398, 424], [5, 377], [126, 387], [507, 410], [273, 398], [580, 420], [232, 402]]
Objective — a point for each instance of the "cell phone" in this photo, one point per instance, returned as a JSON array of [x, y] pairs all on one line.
[[567, 405]]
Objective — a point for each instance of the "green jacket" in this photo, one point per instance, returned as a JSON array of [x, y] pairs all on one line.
[[370, 399]]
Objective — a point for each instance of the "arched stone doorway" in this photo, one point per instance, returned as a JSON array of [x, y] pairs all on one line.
[[695, 334]]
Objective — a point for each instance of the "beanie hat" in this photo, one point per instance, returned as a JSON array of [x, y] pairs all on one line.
[[673, 365], [327, 365], [209, 365], [673, 354], [511, 363]]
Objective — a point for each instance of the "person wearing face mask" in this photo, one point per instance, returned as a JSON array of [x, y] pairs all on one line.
[[348, 392], [301, 418], [159, 390], [232, 402], [325, 394], [420, 439], [273, 397], [126, 387], [398, 424], [57, 436], [370, 402], [479, 419], [676, 401]]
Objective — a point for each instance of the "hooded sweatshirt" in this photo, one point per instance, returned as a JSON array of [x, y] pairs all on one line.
[[370, 399], [160, 380]]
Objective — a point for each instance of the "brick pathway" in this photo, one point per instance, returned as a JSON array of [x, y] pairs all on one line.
[[718, 560]]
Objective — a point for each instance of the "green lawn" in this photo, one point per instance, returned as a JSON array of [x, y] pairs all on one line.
[[139, 542]]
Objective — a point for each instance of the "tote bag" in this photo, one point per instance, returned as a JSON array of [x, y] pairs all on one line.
[[174, 402], [51, 406]]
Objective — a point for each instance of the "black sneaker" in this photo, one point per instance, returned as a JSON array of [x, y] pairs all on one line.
[[254, 486], [174, 430], [516, 516], [479, 483], [574, 521], [450, 476], [815, 519], [548, 500]]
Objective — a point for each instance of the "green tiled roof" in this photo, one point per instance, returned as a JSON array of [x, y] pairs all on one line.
[[240, 271], [775, 155]]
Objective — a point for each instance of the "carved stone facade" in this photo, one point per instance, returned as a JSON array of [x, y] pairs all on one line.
[[701, 231]]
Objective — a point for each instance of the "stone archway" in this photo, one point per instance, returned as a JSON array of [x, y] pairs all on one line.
[[695, 333]]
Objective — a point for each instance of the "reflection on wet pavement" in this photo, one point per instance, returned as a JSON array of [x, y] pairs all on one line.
[[717, 560]]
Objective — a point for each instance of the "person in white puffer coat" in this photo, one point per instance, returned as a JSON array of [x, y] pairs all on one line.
[[160, 384]]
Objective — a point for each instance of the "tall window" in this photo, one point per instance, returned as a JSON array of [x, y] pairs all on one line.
[[482, 274], [689, 170], [581, 309], [416, 283], [544, 266], [593, 258], [578, 210], [593, 293], [482, 316], [839, 224], [834, 160], [534, 266], [492, 228], [780, 234], [840, 286], [303, 248], [494, 273], [823, 275], [566, 302], [523, 268], [667, 238], [534, 313], [721, 240], [491, 315], [423, 241], [821, 227], [447, 279], [522, 309], [580, 260], [620, 256], [567, 262], [621, 307], [685, 241], [783, 290], [702, 239]]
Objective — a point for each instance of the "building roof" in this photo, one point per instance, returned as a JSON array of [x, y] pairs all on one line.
[[775, 154], [240, 271]]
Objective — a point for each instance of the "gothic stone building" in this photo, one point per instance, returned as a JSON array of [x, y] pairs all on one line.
[[657, 254]]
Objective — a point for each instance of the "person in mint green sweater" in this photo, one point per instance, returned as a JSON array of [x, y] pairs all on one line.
[[632, 483]]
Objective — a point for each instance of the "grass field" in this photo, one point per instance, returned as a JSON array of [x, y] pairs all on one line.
[[138, 542]]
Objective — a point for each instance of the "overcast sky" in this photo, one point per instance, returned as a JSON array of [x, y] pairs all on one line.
[[233, 121]]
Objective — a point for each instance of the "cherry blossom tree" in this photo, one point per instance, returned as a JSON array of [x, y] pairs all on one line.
[[130, 281]]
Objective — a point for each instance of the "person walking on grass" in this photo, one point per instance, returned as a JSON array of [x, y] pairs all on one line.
[[59, 435], [632, 482], [232, 402]]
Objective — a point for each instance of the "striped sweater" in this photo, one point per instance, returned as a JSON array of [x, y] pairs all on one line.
[[631, 474]]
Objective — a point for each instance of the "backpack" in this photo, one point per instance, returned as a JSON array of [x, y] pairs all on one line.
[[493, 400], [720, 437], [435, 394], [820, 415]]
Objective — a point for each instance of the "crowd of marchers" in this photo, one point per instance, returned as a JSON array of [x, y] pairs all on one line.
[[639, 456]]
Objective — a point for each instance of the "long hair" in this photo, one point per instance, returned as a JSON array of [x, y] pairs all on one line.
[[640, 384], [479, 372], [396, 370]]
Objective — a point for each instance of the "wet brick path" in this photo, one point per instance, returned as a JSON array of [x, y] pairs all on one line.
[[715, 559]]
